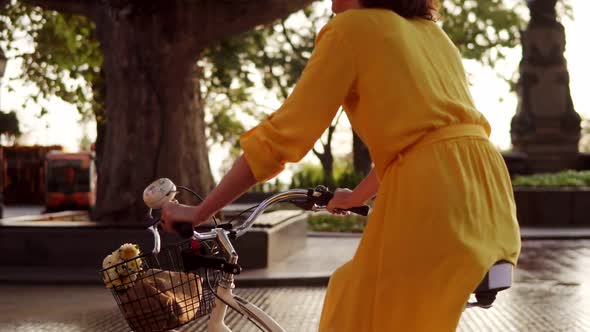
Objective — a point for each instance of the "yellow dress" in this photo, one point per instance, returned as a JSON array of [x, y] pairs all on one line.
[[444, 212]]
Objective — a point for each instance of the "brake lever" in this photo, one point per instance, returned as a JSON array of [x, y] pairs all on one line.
[[323, 196], [314, 201]]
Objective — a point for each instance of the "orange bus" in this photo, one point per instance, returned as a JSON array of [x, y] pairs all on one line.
[[70, 181]]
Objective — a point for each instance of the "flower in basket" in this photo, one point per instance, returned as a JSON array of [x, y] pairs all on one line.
[[122, 266]]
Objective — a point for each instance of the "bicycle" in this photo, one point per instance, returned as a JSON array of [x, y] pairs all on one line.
[[211, 255]]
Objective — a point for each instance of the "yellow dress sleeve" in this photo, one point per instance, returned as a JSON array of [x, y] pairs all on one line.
[[291, 131]]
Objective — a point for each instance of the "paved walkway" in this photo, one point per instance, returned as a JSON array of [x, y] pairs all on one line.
[[323, 254], [312, 265], [551, 293]]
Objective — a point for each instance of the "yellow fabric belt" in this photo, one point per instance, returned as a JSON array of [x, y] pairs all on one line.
[[440, 134], [452, 131]]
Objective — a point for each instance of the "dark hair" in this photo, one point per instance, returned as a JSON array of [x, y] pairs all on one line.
[[407, 8]]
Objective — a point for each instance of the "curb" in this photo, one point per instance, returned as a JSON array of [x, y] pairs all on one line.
[[282, 282], [334, 234], [526, 233], [534, 233]]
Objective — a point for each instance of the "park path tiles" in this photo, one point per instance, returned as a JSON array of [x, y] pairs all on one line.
[[551, 293]]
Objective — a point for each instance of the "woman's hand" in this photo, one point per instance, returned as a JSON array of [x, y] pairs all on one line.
[[235, 183], [343, 199], [172, 212]]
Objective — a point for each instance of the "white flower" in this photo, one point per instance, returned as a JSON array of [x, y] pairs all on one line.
[[111, 260], [110, 277]]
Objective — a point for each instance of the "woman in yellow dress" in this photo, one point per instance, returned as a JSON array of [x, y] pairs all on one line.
[[444, 211]]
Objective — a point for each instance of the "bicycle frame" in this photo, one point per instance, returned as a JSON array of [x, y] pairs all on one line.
[[253, 313], [225, 297]]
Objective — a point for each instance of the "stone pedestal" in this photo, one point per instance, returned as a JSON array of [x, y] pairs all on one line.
[[546, 127]]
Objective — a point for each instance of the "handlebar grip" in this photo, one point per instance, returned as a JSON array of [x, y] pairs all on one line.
[[362, 210], [184, 229]]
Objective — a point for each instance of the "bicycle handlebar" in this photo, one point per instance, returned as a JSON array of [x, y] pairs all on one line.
[[311, 199], [186, 230]]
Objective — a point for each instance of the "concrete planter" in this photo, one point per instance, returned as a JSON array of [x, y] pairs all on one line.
[[553, 207], [55, 248]]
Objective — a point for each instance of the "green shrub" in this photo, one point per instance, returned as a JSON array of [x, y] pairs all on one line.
[[269, 187], [567, 178], [308, 177], [312, 175], [349, 179]]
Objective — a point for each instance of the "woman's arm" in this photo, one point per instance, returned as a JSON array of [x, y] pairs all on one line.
[[368, 188], [238, 180], [290, 132], [235, 183], [346, 198]]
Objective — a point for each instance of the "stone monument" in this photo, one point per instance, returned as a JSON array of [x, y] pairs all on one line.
[[546, 127]]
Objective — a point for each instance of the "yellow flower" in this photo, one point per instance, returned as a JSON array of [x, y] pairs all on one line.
[[123, 274], [128, 251], [135, 265]]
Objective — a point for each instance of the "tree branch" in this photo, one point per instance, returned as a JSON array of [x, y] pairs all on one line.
[[269, 64], [295, 49], [82, 7], [220, 19], [263, 106], [332, 127], [317, 153]]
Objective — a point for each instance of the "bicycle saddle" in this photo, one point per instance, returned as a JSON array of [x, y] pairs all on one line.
[[498, 278]]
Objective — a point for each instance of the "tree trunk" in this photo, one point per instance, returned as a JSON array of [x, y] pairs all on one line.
[[98, 94], [154, 114], [360, 153], [155, 126], [327, 161]]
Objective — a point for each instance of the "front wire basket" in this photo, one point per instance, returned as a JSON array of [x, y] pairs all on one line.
[[155, 292]]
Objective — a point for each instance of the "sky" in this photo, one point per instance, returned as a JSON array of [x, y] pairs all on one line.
[[491, 94]]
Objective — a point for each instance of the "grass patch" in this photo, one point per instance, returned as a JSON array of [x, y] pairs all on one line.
[[331, 223]]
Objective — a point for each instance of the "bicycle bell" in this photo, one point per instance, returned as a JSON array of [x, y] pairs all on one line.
[[159, 192]]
